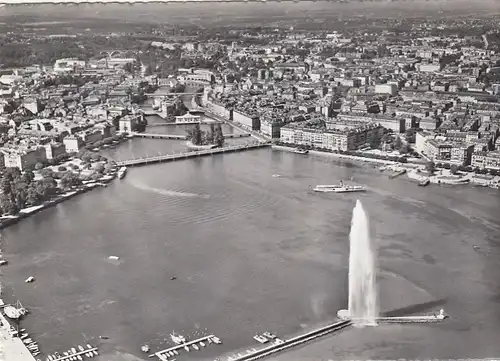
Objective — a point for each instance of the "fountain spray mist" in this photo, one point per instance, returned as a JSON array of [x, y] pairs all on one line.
[[363, 297]]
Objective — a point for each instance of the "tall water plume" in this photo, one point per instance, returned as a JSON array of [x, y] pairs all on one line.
[[363, 297]]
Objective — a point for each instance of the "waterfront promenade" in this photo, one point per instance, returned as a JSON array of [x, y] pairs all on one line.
[[186, 155]]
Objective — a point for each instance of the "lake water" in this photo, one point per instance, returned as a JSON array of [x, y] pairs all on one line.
[[253, 253]]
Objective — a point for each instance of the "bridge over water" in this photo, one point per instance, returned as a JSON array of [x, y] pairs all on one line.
[[182, 137], [166, 94], [186, 155]]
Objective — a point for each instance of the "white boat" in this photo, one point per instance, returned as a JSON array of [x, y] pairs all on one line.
[[186, 348], [95, 352], [276, 175], [269, 335], [195, 346], [175, 352], [300, 151], [29, 279], [81, 348], [202, 344], [121, 172], [340, 188], [3, 262], [216, 340], [145, 348], [260, 339], [177, 339], [79, 357]]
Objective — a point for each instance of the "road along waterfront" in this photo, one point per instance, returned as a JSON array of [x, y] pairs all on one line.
[[253, 253]]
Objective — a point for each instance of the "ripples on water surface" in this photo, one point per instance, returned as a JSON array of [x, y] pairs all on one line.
[[253, 252]]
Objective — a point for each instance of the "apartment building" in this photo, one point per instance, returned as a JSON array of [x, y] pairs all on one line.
[[128, 123], [350, 139], [249, 120], [52, 150], [73, 143], [23, 158], [487, 160]]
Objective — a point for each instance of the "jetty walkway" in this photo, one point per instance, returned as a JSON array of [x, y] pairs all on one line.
[[292, 342], [186, 155], [182, 137], [162, 354]]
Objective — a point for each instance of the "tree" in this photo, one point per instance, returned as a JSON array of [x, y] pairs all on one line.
[[404, 149], [219, 136], [374, 140], [195, 135], [430, 167], [69, 180], [454, 169], [398, 143], [28, 176]]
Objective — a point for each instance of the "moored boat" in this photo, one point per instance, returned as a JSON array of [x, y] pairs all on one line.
[[424, 183], [300, 151], [121, 172]]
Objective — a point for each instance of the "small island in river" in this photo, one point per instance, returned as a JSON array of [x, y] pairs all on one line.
[[199, 139]]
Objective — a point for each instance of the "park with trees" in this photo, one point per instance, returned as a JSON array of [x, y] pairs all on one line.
[[213, 136]]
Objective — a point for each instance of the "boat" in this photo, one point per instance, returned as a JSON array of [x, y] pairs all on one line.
[[145, 348], [278, 341], [95, 352], [79, 357], [81, 348], [29, 279], [89, 346], [424, 183], [202, 344], [195, 346], [3, 262], [216, 340], [175, 352], [186, 348], [300, 151], [260, 339], [121, 172], [269, 335], [177, 339], [276, 175], [340, 188]]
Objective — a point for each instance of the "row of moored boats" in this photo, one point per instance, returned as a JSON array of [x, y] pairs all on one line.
[[181, 340], [74, 354]]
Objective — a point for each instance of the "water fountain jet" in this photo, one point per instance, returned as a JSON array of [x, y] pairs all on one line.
[[363, 298]]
